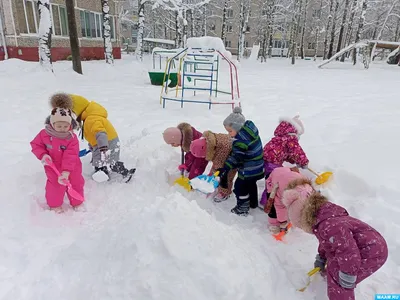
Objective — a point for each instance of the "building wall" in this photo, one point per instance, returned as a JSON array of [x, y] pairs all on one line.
[[24, 45]]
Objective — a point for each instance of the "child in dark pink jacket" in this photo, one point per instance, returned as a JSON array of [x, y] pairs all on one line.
[[182, 136], [284, 146], [351, 249], [57, 143]]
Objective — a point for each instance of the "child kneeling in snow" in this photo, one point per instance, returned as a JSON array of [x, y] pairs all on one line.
[[182, 136], [215, 147], [98, 131], [58, 144], [276, 185], [284, 146], [352, 249], [247, 157]]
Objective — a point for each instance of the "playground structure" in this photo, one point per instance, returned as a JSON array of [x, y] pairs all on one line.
[[368, 48], [160, 58], [198, 75]]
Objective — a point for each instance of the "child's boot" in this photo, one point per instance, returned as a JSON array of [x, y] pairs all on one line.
[[119, 168], [220, 197]]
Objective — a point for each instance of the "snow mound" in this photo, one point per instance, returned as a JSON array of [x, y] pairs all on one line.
[[207, 43]]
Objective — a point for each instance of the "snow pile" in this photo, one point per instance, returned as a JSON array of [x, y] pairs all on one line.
[[150, 240], [207, 43]]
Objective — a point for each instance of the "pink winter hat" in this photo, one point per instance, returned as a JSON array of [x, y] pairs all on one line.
[[199, 148], [295, 199], [172, 135]]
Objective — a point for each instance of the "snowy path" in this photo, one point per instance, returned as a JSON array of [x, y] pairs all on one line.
[[148, 240]]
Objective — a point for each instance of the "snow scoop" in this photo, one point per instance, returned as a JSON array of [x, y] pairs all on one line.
[[321, 178], [279, 236], [84, 152], [183, 181], [309, 274], [74, 194], [205, 184]]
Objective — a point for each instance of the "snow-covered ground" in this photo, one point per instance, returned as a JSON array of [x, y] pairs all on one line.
[[150, 240]]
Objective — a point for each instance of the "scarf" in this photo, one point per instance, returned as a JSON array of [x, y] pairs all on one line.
[[61, 135]]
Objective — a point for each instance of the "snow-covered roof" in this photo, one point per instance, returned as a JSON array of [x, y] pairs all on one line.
[[161, 41]]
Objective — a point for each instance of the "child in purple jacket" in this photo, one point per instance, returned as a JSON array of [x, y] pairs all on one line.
[[349, 250], [182, 136]]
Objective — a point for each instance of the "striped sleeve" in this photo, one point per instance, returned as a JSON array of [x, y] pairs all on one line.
[[237, 155]]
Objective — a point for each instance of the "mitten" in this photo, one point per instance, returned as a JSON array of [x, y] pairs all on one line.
[[320, 263], [45, 158], [347, 281], [182, 167], [63, 177]]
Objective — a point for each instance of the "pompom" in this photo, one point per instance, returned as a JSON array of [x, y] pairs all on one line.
[[237, 110], [289, 196], [61, 100]]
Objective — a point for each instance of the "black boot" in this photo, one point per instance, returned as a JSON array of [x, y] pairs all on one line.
[[119, 168], [104, 169]]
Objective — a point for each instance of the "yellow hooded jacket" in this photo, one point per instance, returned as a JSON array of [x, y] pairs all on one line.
[[94, 117]]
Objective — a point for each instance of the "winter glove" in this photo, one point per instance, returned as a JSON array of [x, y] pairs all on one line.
[[103, 149], [320, 263], [44, 158], [63, 177], [347, 281], [223, 178]]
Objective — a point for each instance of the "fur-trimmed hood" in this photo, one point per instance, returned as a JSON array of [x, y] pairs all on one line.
[[289, 126], [188, 135], [214, 139]]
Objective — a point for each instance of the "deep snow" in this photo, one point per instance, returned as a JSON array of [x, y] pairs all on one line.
[[148, 240]]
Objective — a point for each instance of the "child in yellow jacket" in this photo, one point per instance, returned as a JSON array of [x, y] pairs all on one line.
[[98, 131]]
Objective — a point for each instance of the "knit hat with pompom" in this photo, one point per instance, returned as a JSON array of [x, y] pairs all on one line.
[[61, 100], [60, 114], [235, 120]]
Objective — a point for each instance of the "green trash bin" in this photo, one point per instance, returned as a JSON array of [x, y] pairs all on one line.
[[157, 78]]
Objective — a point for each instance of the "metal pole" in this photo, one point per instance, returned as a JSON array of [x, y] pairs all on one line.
[[3, 40]]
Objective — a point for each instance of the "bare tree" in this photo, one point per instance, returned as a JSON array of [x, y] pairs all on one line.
[[360, 28], [333, 30], [342, 26], [303, 29], [45, 31], [73, 37], [107, 32]]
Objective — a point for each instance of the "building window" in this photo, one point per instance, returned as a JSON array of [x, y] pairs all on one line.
[[311, 46], [316, 13], [28, 16], [212, 27], [60, 21], [229, 28], [228, 44], [264, 12], [229, 13], [247, 28], [92, 25], [246, 44]]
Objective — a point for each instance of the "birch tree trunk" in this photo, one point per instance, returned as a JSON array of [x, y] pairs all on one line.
[[303, 29], [224, 17], [107, 32], [342, 26], [244, 21], [295, 30], [318, 30], [360, 28], [139, 47], [332, 41], [204, 20], [349, 31], [45, 31], [184, 28], [328, 25], [397, 33]]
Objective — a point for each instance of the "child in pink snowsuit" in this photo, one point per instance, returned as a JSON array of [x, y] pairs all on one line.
[[351, 249], [58, 143], [182, 136], [276, 185], [284, 146]]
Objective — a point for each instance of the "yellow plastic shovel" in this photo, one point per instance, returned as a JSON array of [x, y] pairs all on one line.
[[309, 274], [183, 181], [321, 178]]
